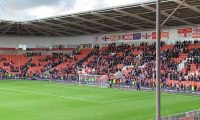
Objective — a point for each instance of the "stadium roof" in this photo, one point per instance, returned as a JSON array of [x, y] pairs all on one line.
[[123, 18]]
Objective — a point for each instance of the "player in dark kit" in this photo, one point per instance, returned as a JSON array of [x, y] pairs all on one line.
[[138, 85]]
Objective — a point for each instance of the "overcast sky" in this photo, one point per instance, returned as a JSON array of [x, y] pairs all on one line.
[[20, 10]]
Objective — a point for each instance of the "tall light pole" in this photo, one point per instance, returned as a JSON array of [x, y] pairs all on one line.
[[158, 116], [158, 31]]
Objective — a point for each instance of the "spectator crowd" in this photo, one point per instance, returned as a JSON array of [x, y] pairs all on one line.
[[136, 63]]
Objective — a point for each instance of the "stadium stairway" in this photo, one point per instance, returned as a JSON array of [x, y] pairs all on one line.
[[181, 65], [193, 67]]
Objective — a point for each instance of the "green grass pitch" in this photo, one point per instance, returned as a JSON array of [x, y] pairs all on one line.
[[39, 100]]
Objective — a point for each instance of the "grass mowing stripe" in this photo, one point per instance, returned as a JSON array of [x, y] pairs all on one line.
[[47, 94]]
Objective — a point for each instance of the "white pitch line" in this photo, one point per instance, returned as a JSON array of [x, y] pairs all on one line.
[[10, 93], [182, 95], [100, 90], [14, 82], [60, 85], [138, 98], [47, 94]]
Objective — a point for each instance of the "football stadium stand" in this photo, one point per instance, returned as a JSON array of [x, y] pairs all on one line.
[[114, 47]]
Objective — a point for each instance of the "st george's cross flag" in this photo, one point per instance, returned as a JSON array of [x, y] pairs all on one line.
[[146, 36], [184, 32]]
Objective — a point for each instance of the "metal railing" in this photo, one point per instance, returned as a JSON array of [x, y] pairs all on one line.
[[191, 115]]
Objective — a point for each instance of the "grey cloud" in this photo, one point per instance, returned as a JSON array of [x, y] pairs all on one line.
[[15, 8], [25, 4]]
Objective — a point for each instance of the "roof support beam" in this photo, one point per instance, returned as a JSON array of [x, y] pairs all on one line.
[[40, 31], [66, 28], [18, 29], [173, 12], [47, 29], [166, 14], [80, 25], [6, 30], [188, 6], [5, 26], [97, 23], [116, 20], [58, 32], [28, 30], [135, 16]]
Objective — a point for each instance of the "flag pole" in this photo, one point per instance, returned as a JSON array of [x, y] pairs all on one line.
[[158, 116]]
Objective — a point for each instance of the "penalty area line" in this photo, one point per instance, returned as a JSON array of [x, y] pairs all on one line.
[[120, 100], [52, 95]]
